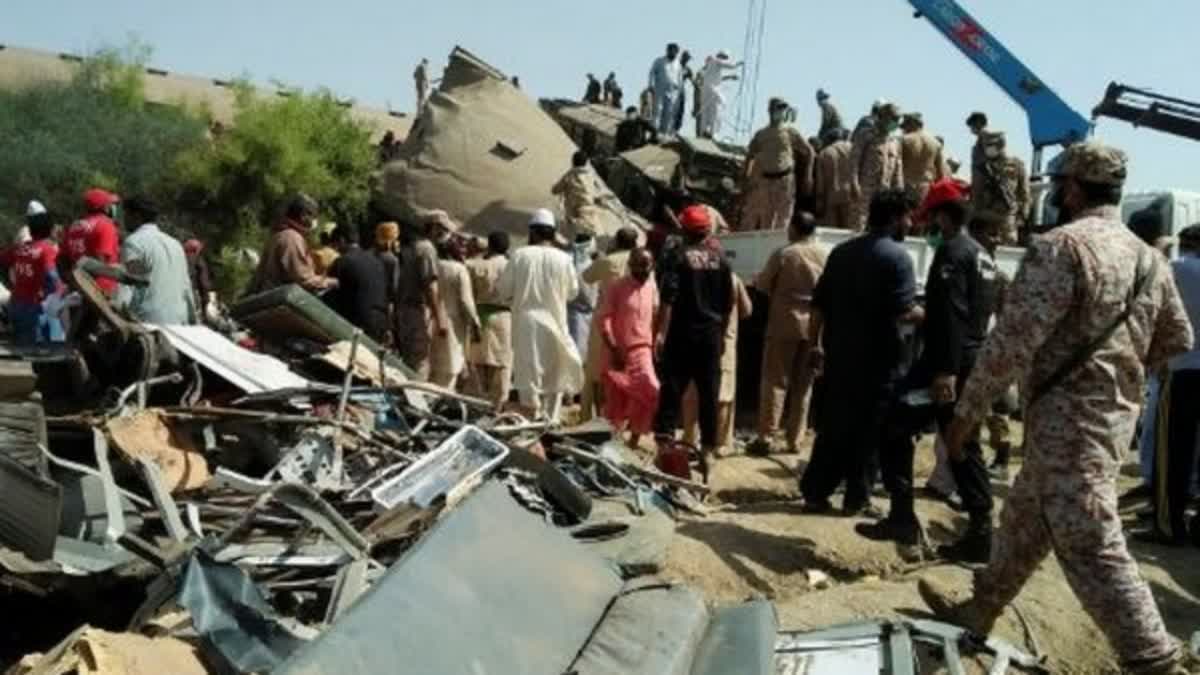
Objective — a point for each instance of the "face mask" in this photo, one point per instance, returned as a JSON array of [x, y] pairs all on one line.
[[641, 275], [892, 127]]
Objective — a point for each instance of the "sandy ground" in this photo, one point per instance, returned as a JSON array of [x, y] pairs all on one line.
[[757, 543]]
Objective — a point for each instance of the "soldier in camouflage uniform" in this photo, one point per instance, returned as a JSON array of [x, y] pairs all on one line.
[[875, 163], [1001, 185], [1089, 281]]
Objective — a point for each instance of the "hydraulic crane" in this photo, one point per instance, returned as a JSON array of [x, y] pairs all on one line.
[[1051, 120], [1144, 108]]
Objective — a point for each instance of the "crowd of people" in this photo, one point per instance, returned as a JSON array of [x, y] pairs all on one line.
[[643, 332], [150, 275]]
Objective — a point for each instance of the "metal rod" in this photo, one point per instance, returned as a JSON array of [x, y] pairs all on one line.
[[341, 409]]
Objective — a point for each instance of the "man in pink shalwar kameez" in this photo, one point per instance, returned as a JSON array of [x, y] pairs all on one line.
[[626, 320]]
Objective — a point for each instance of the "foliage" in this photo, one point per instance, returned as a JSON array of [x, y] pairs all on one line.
[[59, 138], [277, 145]]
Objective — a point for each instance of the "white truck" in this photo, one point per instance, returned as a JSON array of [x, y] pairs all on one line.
[[748, 251]]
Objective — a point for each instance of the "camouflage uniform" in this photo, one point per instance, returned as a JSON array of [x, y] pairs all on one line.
[[780, 156], [923, 161], [1074, 282], [1001, 187], [876, 159]]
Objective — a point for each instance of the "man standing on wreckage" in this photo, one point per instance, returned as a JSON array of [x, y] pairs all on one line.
[[1091, 309]]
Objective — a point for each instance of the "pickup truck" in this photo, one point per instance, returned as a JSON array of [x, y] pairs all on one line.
[[748, 251]]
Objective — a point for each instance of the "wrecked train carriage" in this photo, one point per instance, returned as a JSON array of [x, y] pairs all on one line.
[[485, 153]]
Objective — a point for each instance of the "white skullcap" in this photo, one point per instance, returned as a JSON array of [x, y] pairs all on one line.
[[544, 218], [35, 208]]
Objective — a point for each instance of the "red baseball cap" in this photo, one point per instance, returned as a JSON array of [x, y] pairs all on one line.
[[944, 191], [695, 219], [96, 199]]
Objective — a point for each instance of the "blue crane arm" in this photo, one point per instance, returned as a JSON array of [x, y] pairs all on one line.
[[1051, 120]]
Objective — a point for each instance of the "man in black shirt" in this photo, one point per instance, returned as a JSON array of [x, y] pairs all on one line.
[[634, 132], [959, 299], [866, 294], [696, 299], [361, 296]]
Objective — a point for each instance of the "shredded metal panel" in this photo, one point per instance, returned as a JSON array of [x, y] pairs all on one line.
[[249, 371], [22, 428], [30, 507]]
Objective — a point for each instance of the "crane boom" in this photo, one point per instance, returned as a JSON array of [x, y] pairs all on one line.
[[1144, 108], [1051, 120]]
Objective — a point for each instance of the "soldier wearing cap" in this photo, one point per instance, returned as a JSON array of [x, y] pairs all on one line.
[[779, 161], [1001, 185], [1091, 309], [921, 155], [876, 163]]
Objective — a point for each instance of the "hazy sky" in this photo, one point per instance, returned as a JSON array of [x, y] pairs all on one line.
[[858, 50]]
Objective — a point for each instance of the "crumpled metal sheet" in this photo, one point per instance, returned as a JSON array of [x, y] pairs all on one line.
[[30, 507], [490, 590], [230, 613], [249, 371]]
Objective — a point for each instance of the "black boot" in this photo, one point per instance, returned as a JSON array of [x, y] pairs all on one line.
[[904, 532], [974, 547]]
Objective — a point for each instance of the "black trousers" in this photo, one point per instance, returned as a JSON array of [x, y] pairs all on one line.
[[896, 462], [849, 438], [1175, 459], [692, 359]]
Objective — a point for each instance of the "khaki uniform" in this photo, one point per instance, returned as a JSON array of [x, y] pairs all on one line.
[[601, 273], [448, 354], [788, 279], [780, 155], [727, 393], [832, 185], [923, 161], [878, 165], [830, 119], [580, 190], [1073, 283], [491, 355], [1003, 189], [413, 332]]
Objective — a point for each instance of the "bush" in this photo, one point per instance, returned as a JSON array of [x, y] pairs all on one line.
[[58, 139], [275, 147]]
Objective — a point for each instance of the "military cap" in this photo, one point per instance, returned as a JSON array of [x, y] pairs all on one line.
[[913, 118], [1094, 162]]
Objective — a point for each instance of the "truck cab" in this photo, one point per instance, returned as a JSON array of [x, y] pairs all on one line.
[[1180, 208]]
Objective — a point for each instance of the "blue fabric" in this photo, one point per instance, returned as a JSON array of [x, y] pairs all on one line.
[[32, 326], [25, 321], [1149, 427]]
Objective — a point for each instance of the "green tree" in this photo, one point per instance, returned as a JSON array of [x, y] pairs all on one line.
[[277, 145], [59, 138]]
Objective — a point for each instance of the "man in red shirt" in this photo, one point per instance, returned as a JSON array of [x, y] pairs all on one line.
[[34, 275], [95, 235]]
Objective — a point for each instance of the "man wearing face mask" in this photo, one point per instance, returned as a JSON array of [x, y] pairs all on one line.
[[1001, 187], [960, 295], [777, 158], [1091, 309], [286, 259], [876, 163]]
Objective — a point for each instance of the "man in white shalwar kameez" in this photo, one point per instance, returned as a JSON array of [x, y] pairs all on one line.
[[712, 99], [537, 284]]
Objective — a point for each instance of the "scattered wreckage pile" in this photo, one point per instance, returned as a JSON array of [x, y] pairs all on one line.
[[306, 507]]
